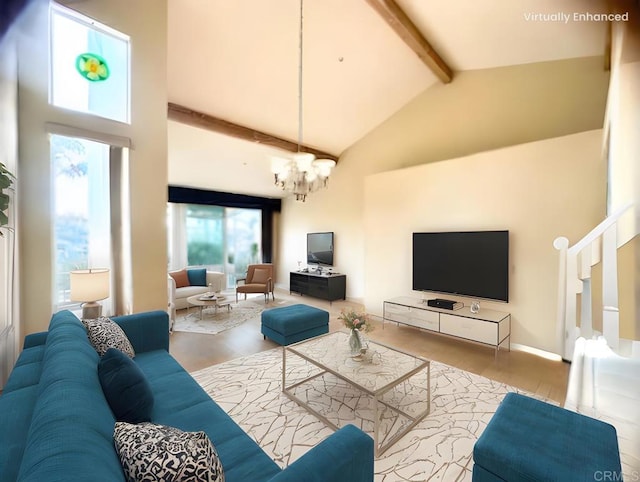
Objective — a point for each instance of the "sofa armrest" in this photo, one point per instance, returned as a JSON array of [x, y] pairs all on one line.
[[146, 331], [346, 455], [217, 280], [35, 339]]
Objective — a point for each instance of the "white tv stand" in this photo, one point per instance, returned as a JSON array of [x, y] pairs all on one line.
[[487, 326]]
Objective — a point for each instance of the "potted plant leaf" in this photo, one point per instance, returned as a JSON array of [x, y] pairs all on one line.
[[6, 179]]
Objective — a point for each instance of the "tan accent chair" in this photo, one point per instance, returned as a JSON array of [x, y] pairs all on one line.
[[259, 279]]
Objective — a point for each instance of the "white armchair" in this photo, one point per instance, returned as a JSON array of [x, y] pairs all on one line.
[[171, 305]]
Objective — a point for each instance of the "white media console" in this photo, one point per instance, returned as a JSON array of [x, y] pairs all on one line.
[[489, 327]]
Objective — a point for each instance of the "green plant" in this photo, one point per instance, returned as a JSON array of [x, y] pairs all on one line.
[[6, 179]]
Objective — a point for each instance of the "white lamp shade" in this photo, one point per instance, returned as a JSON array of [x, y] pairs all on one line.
[[303, 160], [278, 165], [89, 284]]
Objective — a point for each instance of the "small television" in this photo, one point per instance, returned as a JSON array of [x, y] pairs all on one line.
[[320, 248], [470, 263]]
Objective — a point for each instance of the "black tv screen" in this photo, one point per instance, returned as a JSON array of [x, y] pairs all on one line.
[[320, 248], [471, 263]]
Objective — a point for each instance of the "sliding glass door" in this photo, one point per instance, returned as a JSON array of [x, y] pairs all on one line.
[[220, 238]]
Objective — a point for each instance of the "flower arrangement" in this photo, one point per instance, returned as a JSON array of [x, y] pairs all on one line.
[[355, 320]]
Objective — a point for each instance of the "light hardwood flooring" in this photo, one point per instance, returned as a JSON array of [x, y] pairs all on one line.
[[519, 369]]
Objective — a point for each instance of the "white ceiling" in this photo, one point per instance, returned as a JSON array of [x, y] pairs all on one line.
[[238, 60]]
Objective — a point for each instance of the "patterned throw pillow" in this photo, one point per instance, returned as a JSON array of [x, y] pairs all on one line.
[[104, 333], [150, 452]]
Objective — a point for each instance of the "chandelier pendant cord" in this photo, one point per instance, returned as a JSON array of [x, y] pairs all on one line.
[[304, 173], [300, 41]]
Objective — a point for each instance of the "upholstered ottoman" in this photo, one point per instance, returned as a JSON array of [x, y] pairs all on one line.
[[532, 440], [294, 323]]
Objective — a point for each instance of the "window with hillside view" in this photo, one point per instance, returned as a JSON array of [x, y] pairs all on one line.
[[81, 206], [220, 238]]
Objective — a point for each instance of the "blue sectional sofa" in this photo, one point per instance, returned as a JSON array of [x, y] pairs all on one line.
[[56, 425]]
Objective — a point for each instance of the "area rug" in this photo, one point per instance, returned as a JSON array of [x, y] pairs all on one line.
[[213, 322], [438, 448]]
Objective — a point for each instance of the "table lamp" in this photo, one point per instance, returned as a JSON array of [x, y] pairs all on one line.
[[89, 286]]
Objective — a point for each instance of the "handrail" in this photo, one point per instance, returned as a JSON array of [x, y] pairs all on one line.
[[599, 230], [570, 284]]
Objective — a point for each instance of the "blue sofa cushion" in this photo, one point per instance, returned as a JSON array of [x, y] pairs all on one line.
[[197, 276], [125, 387], [242, 458], [104, 333], [151, 452], [70, 437]]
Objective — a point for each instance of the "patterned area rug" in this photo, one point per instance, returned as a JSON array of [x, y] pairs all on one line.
[[438, 448], [213, 322]]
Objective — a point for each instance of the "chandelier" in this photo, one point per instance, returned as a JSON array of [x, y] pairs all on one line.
[[303, 173]]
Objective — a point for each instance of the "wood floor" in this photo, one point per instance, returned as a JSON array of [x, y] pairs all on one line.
[[519, 369]]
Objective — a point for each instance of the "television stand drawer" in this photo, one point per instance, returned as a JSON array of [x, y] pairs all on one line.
[[469, 328], [409, 315]]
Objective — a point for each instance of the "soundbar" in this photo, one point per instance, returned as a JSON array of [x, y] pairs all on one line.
[[444, 304]]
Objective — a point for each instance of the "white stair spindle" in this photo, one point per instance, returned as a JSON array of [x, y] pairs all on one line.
[[610, 315]]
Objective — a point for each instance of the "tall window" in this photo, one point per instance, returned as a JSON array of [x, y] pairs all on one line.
[[89, 66], [82, 228], [222, 239], [89, 73]]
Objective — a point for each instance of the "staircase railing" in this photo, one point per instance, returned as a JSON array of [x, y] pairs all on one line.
[[598, 246]]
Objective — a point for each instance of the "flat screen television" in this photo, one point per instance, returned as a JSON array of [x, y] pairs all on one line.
[[471, 263], [320, 248]]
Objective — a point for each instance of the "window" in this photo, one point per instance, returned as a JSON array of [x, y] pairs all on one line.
[[105, 93], [220, 238], [82, 228]]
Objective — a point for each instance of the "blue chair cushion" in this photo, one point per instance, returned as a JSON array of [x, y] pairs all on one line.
[[528, 439], [293, 319], [125, 387], [197, 276]]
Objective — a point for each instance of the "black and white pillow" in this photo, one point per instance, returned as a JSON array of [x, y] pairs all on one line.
[[104, 333], [150, 452]]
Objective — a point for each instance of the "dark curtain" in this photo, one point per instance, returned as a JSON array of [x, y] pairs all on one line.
[[9, 11], [268, 206]]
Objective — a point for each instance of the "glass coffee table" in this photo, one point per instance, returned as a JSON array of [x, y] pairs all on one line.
[[387, 392]]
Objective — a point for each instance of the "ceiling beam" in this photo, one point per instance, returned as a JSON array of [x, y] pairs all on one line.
[[391, 12], [192, 117]]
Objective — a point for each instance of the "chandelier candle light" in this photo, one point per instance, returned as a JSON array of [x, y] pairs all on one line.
[[304, 173]]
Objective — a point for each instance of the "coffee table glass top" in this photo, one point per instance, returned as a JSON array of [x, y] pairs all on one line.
[[380, 368]]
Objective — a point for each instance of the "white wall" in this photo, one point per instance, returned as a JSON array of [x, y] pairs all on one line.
[[479, 111], [145, 21], [623, 116], [537, 191]]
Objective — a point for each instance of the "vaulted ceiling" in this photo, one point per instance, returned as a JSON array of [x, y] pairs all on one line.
[[237, 62]]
